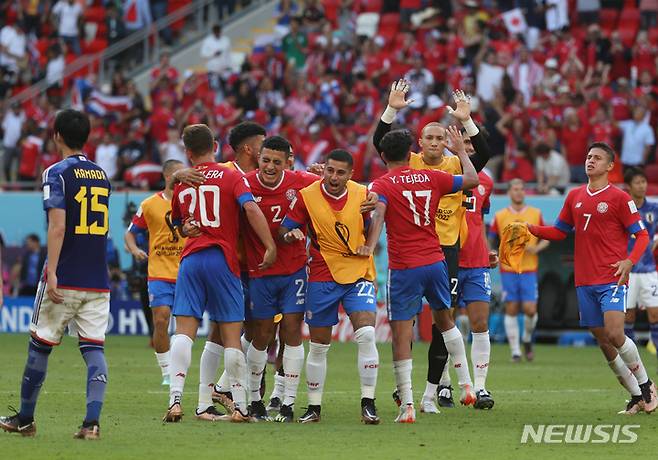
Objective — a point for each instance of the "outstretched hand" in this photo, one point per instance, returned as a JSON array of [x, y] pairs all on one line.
[[396, 97], [463, 104], [455, 141]]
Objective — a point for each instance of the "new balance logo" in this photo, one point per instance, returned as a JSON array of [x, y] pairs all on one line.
[[458, 365], [291, 376], [313, 384], [180, 374], [482, 366]]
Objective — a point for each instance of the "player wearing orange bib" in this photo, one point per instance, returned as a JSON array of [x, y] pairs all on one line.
[[520, 289], [165, 245]]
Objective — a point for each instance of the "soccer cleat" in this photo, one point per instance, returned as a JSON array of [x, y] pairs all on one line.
[[634, 406], [468, 396], [527, 351], [257, 411], [274, 405], [166, 380], [210, 415], [225, 398], [312, 415], [12, 424], [369, 412], [285, 415], [428, 406], [649, 396], [89, 431], [174, 413], [396, 398], [407, 414], [445, 396], [239, 417], [516, 358], [483, 400]]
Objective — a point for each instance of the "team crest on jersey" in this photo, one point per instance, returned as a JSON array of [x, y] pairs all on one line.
[[602, 207], [481, 189], [291, 193]]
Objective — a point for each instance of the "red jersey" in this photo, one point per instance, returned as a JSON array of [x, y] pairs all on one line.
[[298, 217], [475, 252], [30, 153], [215, 206], [602, 221], [412, 200], [274, 202]]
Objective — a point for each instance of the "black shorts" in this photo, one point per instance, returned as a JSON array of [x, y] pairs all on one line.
[[451, 254]]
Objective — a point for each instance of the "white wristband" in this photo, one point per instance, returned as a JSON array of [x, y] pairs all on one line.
[[470, 127], [389, 114]]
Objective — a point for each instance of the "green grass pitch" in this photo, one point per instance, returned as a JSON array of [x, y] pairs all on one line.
[[562, 386]]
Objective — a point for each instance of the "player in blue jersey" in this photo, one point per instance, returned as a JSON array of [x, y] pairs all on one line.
[[74, 287], [643, 281]]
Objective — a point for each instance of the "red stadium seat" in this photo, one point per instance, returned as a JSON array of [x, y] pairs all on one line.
[[94, 46], [94, 14], [653, 35], [608, 19], [652, 173], [371, 6], [389, 24], [627, 34], [629, 17], [331, 8]]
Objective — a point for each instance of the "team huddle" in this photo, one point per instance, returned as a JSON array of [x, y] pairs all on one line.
[[261, 248]]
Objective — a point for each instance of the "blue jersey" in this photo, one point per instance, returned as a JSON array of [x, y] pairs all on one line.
[[649, 214], [81, 188]]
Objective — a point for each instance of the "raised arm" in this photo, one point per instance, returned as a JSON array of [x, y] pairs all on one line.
[[470, 176], [396, 102], [462, 112]]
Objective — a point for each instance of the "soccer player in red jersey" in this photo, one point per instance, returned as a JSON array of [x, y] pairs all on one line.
[[282, 287], [209, 273], [602, 217], [408, 202]]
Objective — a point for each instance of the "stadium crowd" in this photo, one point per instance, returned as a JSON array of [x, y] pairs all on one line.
[[546, 77]]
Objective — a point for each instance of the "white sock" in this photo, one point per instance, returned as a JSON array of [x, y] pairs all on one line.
[[181, 355], [368, 360], [430, 390], [480, 353], [245, 344], [256, 362], [279, 382], [628, 352], [625, 376], [512, 331], [445, 375], [163, 362], [455, 345], [316, 372], [210, 358], [464, 325], [402, 371], [529, 325], [236, 368], [223, 385], [293, 361]]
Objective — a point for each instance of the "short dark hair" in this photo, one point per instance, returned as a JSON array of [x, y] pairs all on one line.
[[341, 155], [198, 139], [167, 165], [243, 131], [542, 148], [605, 147], [73, 126], [395, 145], [632, 173], [33, 237], [278, 143]]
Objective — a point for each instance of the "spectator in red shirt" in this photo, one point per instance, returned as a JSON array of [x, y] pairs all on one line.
[[574, 138]]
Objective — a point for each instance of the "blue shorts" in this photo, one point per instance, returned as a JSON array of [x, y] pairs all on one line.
[[323, 298], [519, 287], [595, 300], [161, 293], [205, 283], [474, 286], [271, 295], [406, 289]]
